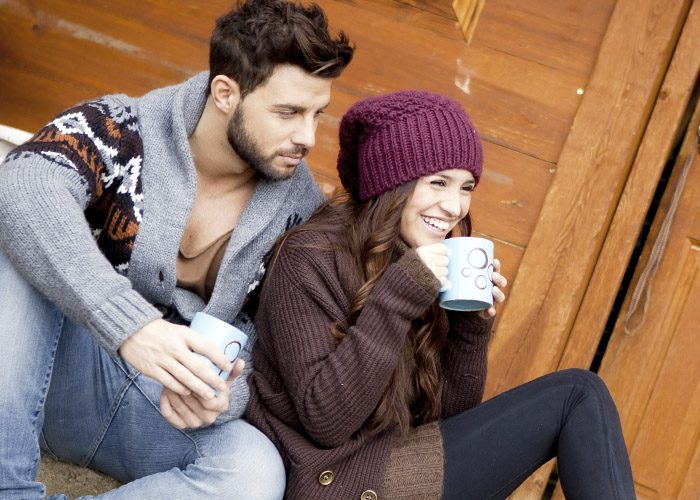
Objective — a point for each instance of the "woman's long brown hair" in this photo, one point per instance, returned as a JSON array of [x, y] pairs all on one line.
[[372, 228]]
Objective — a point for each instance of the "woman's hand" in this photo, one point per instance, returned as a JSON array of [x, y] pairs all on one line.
[[435, 258], [499, 282]]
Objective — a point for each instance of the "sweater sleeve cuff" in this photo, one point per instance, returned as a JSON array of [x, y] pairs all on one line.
[[470, 325], [414, 267], [120, 317]]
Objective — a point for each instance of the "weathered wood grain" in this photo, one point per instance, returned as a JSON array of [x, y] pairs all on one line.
[[651, 361], [659, 138], [56, 53], [590, 176], [564, 291]]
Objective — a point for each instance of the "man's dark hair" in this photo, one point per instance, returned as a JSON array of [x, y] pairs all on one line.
[[258, 35]]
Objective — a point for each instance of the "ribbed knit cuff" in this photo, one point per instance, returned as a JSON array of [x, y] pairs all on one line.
[[119, 317], [416, 465], [469, 324], [414, 266]]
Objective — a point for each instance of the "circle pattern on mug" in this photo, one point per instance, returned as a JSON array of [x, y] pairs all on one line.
[[466, 272], [232, 349], [481, 282], [478, 258]]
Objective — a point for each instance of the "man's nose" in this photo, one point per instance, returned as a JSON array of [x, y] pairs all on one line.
[[305, 134]]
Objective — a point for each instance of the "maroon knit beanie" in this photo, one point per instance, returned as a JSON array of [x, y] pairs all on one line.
[[388, 140]]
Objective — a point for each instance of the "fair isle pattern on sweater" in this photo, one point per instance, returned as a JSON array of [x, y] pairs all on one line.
[[101, 142]]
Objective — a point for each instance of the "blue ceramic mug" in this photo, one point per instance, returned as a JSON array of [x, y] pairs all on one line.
[[469, 284], [229, 339]]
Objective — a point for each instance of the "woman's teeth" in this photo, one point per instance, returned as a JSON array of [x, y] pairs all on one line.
[[436, 223]]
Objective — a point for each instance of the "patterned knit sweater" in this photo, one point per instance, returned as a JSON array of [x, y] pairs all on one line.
[[93, 208], [313, 395]]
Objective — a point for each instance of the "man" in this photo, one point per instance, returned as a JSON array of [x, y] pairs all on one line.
[[120, 220]]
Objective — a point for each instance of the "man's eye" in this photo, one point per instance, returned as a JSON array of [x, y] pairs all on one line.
[[286, 113]]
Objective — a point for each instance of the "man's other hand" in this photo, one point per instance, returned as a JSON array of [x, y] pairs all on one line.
[[192, 412], [166, 353]]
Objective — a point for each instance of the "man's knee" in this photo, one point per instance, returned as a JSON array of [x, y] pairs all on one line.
[[22, 307], [29, 335], [15, 291], [268, 478], [253, 469]]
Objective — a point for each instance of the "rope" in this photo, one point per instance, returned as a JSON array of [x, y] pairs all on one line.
[[641, 291]]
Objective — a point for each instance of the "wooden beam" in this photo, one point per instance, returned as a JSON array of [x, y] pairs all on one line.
[[659, 138], [650, 363], [468, 12], [578, 209], [591, 173]]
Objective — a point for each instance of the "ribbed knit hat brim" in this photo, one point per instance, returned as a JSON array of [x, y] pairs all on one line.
[[388, 140]]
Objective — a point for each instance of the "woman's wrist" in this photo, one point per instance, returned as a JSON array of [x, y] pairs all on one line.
[[414, 267]]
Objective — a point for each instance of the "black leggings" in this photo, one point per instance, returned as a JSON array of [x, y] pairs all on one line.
[[492, 448]]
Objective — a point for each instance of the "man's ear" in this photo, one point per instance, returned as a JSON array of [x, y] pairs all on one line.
[[225, 93]]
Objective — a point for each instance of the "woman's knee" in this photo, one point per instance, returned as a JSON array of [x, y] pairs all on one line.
[[585, 377], [588, 384]]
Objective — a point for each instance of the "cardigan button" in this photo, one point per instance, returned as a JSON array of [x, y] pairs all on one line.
[[326, 477], [368, 495]]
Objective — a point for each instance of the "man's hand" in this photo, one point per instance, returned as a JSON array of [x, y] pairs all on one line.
[[166, 353], [192, 412]]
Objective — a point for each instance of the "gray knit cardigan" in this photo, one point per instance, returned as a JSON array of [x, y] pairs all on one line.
[[93, 208]]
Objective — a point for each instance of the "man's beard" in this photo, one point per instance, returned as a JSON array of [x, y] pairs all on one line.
[[249, 150]]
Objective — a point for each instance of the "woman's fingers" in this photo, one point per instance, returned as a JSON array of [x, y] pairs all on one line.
[[499, 282], [435, 258]]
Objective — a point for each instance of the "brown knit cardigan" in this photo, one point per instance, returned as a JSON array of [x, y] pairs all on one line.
[[313, 396]]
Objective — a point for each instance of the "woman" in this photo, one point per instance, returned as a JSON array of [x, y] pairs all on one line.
[[370, 389]]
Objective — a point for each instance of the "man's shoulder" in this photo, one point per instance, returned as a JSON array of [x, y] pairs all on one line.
[[119, 107], [121, 110], [302, 175], [100, 127], [104, 120], [304, 189]]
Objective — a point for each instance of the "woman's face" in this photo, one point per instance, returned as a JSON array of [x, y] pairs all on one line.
[[438, 202]]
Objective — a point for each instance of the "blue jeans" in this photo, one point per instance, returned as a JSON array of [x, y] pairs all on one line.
[[63, 392], [492, 448]]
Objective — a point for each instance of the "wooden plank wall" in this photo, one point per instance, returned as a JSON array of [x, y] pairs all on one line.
[[522, 79], [518, 78], [593, 168], [597, 161], [561, 91]]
